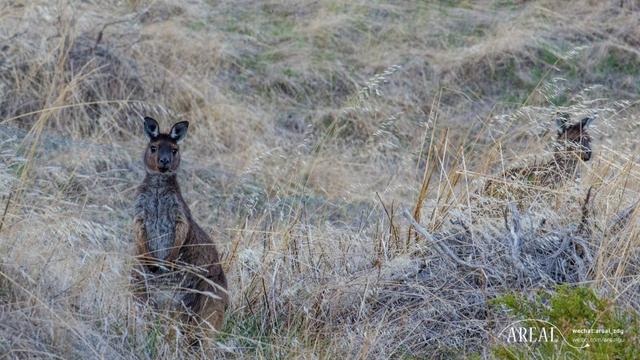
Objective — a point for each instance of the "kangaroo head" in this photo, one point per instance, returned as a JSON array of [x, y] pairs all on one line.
[[162, 155], [574, 139]]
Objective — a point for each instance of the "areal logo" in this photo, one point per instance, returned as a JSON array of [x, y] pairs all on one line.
[[522, 332]]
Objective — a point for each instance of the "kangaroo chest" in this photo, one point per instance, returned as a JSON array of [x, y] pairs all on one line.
[[160, 208]]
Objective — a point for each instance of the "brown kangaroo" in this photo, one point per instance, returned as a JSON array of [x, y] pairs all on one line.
[[179, 267], [573, 143]]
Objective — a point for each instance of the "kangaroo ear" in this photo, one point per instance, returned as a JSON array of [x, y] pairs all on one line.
[[561, 121], [179, 130], [151, 127], [586, 121]]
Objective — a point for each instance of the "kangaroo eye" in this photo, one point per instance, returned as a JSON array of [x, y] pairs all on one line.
[[153, 149], [174, 151]]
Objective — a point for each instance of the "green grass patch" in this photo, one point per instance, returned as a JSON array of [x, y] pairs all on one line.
[[263, 339], [17, 168], [155, 338], [196, 25], [585, 326], [619, 62]]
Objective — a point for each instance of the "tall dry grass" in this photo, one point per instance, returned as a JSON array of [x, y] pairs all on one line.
[[314, 126]]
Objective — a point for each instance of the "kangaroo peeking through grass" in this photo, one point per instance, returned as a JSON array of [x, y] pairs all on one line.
[[573, 144], [179, 265]]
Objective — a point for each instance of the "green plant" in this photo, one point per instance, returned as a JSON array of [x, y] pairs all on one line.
[[585, 326], [619, 62]]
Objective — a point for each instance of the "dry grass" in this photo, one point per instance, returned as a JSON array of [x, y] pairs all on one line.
[[314, 126]]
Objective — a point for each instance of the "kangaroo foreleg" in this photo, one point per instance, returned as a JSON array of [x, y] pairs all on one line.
[[142, 252], [182, 230], [140, 235]]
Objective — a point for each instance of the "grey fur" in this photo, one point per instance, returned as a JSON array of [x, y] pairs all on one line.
[[157, 203]]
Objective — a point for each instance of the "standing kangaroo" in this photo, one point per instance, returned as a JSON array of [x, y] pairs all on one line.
[[573, 143], [179, 264]]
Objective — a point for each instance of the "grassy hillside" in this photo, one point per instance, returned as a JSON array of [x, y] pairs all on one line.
[[313, 126]]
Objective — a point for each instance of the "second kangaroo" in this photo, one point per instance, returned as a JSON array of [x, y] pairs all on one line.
[[573, 144], [179, 265]]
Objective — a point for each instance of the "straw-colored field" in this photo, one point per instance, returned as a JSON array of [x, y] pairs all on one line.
[[314, 124]]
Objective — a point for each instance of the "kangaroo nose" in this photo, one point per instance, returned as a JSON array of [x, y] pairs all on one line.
[[164, 161]]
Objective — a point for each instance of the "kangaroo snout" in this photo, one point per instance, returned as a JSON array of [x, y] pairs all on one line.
[[164, 163]]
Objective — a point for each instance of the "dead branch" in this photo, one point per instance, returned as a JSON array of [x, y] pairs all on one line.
[[514, 229], [438, 245]]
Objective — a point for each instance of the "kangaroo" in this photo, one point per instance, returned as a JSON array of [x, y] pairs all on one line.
[[572, 143], [179, 267]]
